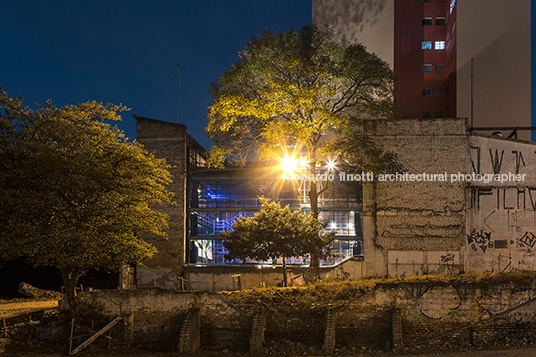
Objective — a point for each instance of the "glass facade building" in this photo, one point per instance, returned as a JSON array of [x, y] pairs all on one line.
[[216, 198]]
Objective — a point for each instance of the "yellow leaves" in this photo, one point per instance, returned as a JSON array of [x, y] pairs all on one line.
[[79, 190]]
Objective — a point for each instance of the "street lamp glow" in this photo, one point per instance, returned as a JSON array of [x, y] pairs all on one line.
[[289, 164], [303, 163], [331, 164]]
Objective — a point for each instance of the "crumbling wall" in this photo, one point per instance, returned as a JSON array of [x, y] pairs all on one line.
[[489, 313], [416, 227], [501, 216], [229, 277], [169, 141]]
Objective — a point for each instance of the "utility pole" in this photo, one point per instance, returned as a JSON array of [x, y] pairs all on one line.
[[472, 91], [180, 90]]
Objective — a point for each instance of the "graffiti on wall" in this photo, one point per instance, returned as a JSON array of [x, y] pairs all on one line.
[[496, 157], [490, 305], [437, 302], [479, 240], [528, 239], [501, 221]]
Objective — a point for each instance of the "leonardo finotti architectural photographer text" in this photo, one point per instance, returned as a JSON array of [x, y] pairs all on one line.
[[409, 177]]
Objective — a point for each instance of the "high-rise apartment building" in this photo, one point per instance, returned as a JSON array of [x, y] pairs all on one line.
[[432, 46]]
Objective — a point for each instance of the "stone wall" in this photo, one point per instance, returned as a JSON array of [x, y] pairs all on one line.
[[409, 313]]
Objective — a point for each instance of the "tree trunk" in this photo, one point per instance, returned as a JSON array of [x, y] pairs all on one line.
[[70, 278], [313, 198], [285, 281]]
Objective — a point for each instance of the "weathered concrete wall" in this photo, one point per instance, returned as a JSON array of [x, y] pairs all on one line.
[[448, 226], [169, 141], [409, 226], [425, 310], [231, 277], [501, 228], [159, 313]]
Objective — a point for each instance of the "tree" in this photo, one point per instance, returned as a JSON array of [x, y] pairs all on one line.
[[75, 192], [299, 90], [276, 232]]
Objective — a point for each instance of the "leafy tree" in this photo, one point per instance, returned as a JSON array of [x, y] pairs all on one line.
[[74, 191], [300, 90], [276, 232]]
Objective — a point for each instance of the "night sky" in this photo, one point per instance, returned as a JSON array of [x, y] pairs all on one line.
[[126, 51]]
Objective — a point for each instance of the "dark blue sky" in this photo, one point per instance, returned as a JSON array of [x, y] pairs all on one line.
[[126, 51]]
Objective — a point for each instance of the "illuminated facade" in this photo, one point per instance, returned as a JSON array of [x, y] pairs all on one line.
[[218, 197], [208, 201]]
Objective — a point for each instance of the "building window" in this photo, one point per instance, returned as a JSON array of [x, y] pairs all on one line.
[[453, 53], [439, 92], [426, 0], [440, 68], [440, 45], [426, 68], [439, 0], [426, 45], [427, 92], [452, 3], [426, 115], [448, 39], [440, 21], [439, 114], [427, 21], [453, 28]]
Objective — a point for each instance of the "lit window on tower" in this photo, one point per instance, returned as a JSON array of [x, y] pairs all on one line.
[[426, 45], [440, 45]]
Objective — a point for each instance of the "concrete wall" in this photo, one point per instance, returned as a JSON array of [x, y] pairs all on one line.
[[169, 141], [235, 277], [409, 226], [501, 216], [370, 22], [450, 226], [423, 311], [498, 35]]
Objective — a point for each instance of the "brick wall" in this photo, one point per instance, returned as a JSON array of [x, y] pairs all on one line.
[[169, 141], [425, 311]]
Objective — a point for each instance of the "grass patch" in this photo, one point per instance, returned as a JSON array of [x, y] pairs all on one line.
[[323, 295]]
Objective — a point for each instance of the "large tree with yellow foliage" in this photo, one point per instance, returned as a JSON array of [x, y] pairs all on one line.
[[301, 93], [75, 192]]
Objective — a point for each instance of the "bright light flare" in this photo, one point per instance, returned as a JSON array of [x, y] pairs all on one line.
[[289, 164], [331, 165], [304, 163]]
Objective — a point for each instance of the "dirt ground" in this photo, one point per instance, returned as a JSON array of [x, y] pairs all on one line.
[[10, 308]]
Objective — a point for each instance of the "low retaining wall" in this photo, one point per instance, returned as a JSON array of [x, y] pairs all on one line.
[[389, 316], [228, 277]]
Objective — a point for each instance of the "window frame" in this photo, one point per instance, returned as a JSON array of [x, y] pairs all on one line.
[[441, 66], [426, 68], [426, 45]]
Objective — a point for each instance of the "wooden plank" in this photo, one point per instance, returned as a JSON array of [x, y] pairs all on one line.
[[96, 335]]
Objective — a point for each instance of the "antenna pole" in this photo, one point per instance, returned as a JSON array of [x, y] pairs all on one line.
[[180, 90], [472, 91]]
